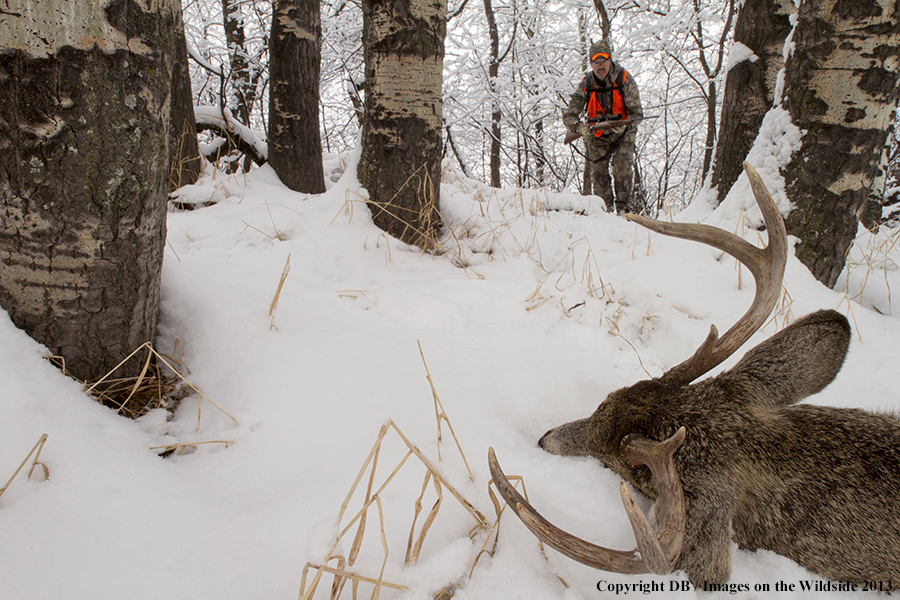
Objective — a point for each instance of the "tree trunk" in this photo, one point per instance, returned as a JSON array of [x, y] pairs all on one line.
[[586, 179], [711, 105], [245, 91], [84, 133], [493, 72], [841, 88], [711, 72], [400, 166], [295, 48], [762, 26], [184, 159]]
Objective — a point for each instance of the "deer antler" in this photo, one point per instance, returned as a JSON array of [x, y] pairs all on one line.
[[657, 552], [766, 265]]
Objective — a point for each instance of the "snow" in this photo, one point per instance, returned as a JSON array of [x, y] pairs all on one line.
[[529, 318], [737, 54], [222, 118]]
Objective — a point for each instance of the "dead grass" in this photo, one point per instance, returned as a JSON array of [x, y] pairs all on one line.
[[342, 565], [159, 385], [356, 527], [36, 451], [274, 304], [421, 226]]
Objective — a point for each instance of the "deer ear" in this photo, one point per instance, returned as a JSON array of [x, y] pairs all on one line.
[[797, 362]]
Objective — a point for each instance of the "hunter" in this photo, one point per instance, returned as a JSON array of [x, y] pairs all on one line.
[[606, 93]]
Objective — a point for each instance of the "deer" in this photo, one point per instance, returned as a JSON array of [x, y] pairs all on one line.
[[733, 457]]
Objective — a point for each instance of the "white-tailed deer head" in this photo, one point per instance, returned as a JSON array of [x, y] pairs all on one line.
[[731, 457]]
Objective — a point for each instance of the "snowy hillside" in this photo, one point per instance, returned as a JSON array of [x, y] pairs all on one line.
[[540, 305]]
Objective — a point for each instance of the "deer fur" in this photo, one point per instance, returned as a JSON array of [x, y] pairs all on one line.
[[816, 484]]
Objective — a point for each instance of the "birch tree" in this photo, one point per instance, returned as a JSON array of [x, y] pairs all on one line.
[[841, 89], [84, 132], [400, 165]]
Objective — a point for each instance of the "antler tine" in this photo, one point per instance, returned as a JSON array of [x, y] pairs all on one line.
[[658, 552], [670, 510], [765, 264]]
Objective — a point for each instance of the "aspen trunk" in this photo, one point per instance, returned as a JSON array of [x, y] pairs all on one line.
[[400, 166], [841, 88], [84, 133], [295, 143]]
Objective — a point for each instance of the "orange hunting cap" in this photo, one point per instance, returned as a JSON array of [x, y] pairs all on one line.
[[600, 50]]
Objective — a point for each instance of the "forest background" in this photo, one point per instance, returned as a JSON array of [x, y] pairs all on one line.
[[544, 304], [679, 52]]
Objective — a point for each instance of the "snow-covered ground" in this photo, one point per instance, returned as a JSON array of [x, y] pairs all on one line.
[[533, 313]]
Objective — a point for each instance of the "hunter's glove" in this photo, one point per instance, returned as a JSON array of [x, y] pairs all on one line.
[[584, 130]]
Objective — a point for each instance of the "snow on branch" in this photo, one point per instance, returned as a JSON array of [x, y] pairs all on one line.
[[249, 141]]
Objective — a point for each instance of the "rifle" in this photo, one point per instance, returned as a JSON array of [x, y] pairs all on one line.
[[606, 122]]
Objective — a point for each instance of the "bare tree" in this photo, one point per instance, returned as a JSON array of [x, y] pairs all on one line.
[[295, 144], [841, 88], [85, 128], [400, 166], [241, 73], [712, 69], [494, 61]]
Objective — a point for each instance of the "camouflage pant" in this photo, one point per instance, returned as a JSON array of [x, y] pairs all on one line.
[[600, 181]]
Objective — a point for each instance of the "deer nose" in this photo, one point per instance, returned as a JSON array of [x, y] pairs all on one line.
[[543, 439]]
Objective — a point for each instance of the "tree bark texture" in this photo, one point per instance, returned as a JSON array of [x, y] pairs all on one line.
[[84, 133], [762, 26], [295, 48], [184, 159], [400, 166], [841, 88]]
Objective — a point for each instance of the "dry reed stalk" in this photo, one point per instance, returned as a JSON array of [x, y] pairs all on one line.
[[850, 314], [568, 262], [279, 235], [36, 450], [352, 294], [782, 310], [499, 508], [495, 528], [343, 574], [172, 248], [115, 388], [373, 496], [441, 414], [425, 235], [180, 447], [634, 242], [152, 383], [274, 304], [377, 593], [360, 532], [614, 330], [347, 207], [413, 550]]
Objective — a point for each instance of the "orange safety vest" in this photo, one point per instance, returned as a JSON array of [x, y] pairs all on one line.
[[594, 107]]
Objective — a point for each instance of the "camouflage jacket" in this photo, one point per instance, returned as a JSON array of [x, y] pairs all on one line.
[[574, 112]]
